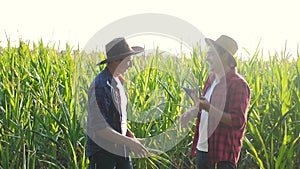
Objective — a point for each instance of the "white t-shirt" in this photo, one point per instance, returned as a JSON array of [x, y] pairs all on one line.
[[202, 144], [123, 106]]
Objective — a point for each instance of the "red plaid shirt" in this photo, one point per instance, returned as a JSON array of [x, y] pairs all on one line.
[[231, 95]]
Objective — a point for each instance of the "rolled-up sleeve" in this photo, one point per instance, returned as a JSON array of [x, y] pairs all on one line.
[[239, 100]]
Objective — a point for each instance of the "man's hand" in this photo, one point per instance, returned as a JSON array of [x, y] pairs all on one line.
[[133, 143], [137, 148], [203, 104], [188, 115]]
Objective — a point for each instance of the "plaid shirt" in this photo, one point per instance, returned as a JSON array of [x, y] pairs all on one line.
[[231, 95]]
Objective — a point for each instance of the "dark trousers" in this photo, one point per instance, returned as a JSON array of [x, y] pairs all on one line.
[[102, 160], [202, 162]]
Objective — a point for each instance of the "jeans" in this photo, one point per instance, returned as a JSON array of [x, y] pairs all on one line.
[[102, 160], [225, 165], [202, 162]]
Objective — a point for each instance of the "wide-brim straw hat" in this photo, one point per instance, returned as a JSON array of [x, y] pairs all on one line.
[[118, 49], [227, 43]]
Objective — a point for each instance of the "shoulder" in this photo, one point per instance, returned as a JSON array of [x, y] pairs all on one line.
[[238, 80], [101, 83], [103, 79]]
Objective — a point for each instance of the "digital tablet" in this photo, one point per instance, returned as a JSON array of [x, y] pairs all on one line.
[[191, 93]]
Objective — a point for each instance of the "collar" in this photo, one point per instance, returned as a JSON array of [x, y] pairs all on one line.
[[110, 79]]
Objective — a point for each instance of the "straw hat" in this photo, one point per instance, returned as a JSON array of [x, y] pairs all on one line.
[[225, 42]]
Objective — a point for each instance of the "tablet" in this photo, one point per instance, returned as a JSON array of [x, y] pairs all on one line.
[[191, 93]]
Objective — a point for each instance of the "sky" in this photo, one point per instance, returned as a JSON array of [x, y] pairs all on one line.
[[273, 23]]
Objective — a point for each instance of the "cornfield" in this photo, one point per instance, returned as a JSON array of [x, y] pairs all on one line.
[[43, 106]]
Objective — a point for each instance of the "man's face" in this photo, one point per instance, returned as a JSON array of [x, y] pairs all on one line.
[[124, 65], [215, 61]]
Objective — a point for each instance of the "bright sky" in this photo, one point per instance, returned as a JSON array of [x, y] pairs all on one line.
[[75, 22]]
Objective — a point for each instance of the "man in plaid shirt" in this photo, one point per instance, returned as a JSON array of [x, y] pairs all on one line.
[[221, 111]]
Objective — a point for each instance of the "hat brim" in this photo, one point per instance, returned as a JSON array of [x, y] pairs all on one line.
[[135, 50], [211, 42]]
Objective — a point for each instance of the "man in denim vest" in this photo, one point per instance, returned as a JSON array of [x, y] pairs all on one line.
[[108, 138]]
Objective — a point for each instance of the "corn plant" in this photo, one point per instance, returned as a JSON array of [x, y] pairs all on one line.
[[43, 107], [39, 127]]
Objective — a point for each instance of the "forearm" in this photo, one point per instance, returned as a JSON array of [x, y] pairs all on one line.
[[215, 112], [113, 136], [194, 111], [188, 115], [133, 144], [224, 117]]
